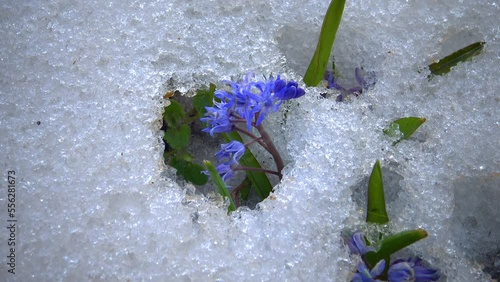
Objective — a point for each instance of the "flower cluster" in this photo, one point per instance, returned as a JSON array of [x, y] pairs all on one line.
[[248, 102], [400, 270], [228, 158], [365, 81]]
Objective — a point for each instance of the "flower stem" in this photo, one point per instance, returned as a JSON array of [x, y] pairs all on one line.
[[251, 135], [271, 149]]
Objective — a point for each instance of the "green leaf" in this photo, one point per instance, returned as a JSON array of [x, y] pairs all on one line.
[[444, 65], [177, 137], [392, 244], [316, 70], [259, 180], [174, 114], [203, 98], [406, 126], [245, 191], [188, 170], [219, 184], [376, 212]]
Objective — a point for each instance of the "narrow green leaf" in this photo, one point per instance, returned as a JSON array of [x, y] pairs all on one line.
[[177, 137], [376, 212], [403, 128], [203, 98], [393, 244], [259, 179], [319, 61], [189, 171], [174, 114], [219, 184], [245, 191], [444, 65]]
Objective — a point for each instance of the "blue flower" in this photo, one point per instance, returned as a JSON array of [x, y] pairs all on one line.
[[228, 158], [243, 100], [267, 101], [250, 100], [400, 272], [286, 91], [225, 172], [332, 81], [411, 270], [230, 153], [366, 275], [217, 118], [357, 244], [365, 81]]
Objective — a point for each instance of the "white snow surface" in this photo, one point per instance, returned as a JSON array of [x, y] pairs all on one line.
[[81, 86]]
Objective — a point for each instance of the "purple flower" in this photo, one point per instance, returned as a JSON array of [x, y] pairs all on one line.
[[332, 81], [357, 244], [230, 153], [248, 99], [217, 118], [411, 270], [286, 91], [400, 271], [366, 275], [228, 158], [225, 172], [267, 101], [365, 81]]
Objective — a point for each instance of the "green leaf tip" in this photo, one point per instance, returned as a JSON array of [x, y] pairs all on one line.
[[375, 212], [444, 65], [316, 70], [404, 128], [219, 184]]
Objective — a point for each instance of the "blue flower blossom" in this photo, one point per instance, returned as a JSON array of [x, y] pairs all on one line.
[[400, 272], [230, 153], [218, 119], [366, 275], [286, 91], [357, 244], [228, 158], [225, 172], [411, 270], [365, 81], [250, 100], [267, 101]]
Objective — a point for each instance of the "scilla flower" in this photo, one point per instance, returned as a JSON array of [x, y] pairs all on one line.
[[228, 158], [357, 244], [411, 270], [365, 81], [366, 275], [248, 103], [249, 100]]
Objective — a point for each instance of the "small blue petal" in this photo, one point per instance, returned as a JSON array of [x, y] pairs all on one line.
[[228, 157], [366, 275], [357, 244], [412, 269], [400, 272]]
